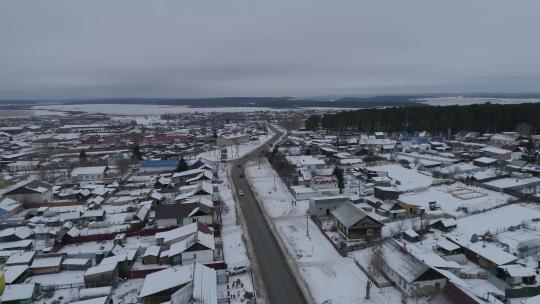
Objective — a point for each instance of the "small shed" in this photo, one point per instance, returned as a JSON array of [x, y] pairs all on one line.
[[21, 293], [76, 264], [411, 236], [444, 225], [16, 274], [47, 265], [101, 275], [21, 258], [447, 247], [151, 255]]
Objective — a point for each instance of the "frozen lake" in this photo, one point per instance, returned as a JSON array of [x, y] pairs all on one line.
[[141, 109]]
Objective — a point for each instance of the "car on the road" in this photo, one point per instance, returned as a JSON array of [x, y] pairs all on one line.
[[238, 269], [239, 165], [241, 193], [241, 175]]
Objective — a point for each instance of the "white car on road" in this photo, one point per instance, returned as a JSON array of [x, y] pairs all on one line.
[[241, 193], [238, 269]]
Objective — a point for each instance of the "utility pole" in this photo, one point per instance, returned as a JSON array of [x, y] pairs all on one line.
[[307, 224]]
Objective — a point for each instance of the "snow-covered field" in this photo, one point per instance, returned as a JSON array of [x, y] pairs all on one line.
[[409, 179], [460, 100], [496, 220], [450, 198], [142, 109], [328, 275]]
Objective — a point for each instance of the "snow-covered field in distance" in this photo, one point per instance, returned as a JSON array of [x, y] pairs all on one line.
[[141, 109], [460, 100]]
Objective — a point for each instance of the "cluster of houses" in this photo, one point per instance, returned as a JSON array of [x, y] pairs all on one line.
[[95, 209], [413, 198]]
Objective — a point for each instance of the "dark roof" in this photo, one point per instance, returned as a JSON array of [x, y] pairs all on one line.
[[349, 215], [180, 210], [160, 163], [34, 186]]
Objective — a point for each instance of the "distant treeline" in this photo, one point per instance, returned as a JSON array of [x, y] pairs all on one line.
[[479, 117]]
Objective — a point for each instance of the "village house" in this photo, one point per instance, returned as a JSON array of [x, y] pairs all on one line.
[[31, 193], [183, 214], [323, 206], [101, 275], [354, 224], [412, 276], [185, 283], [97, 174]]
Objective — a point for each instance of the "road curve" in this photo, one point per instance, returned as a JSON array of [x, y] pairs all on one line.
[[280, 284]]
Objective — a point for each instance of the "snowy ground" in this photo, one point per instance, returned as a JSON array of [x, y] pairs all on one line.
[[495, 221], [237, 151], [409, 179], [234, 250], [142, 109], [328, 275], [127, 291], [453, 198], [233, 246]]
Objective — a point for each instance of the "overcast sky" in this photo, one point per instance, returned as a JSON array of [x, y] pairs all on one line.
[[132, 48]]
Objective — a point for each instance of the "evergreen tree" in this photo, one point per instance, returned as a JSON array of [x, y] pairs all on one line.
[[137, 153], [312, 123], [182, 165], [530, 154], [339, 175], [82, 156]]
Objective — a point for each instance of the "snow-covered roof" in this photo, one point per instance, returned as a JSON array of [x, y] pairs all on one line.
[[100, 300], [9, 204], [16, 292], [20, 258], [181, 232], [47, 262], [205, 239], [101, 268], [495, 150], [12, 273], [519, 271], [447, 245], [405, 265], [202, 279], [511, 182], [485, 160], [152, 251], [75, 261], [88, 170], [168, 278]]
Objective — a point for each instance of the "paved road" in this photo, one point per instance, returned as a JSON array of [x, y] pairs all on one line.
[[280, 284]]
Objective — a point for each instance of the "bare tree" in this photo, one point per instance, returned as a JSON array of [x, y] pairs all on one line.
[[374, 268], [123, 166]]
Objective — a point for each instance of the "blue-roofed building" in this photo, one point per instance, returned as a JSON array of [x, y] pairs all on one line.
[[159, 165]]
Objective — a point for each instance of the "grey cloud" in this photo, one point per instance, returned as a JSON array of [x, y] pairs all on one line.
[[135, 48]]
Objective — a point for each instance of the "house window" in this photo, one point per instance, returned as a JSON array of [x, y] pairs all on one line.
[[369, 232]]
